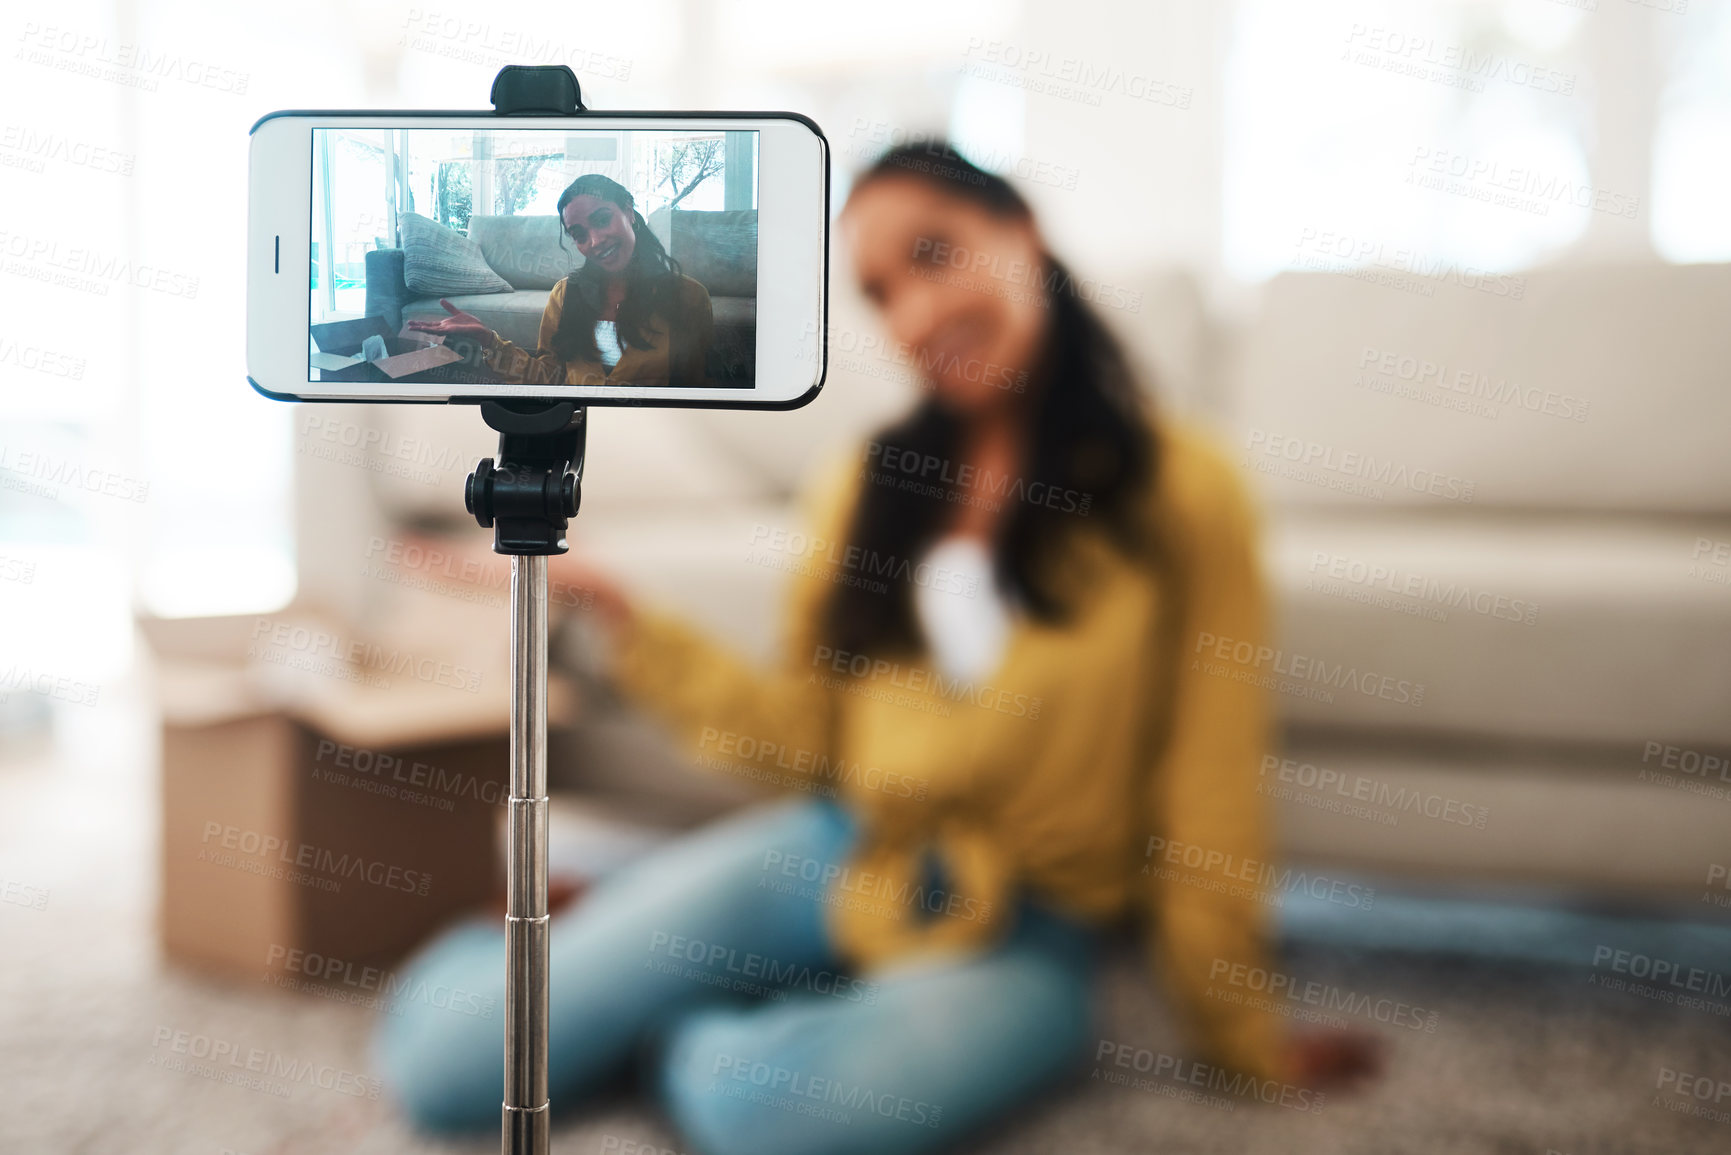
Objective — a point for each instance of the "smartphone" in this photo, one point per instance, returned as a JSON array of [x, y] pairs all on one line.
[[631, 258]]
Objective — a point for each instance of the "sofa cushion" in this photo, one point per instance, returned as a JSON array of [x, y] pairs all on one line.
[[1574, 629], [717, 249], [735, 312], [526, 250], [1597, 387], [438, 261], [1514, 815]]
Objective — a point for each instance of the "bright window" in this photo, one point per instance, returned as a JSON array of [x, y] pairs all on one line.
[[1445, 134], [1692, 141]]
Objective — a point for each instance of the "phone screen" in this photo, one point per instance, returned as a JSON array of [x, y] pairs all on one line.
[[483, 257]]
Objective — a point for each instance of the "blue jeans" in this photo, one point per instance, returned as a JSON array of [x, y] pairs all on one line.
[[705, 966]]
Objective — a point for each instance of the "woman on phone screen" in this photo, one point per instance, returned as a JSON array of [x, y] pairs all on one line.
[[1013, 711], [627, 317]]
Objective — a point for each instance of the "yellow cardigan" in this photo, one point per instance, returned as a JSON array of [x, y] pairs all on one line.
[[1107, 762]]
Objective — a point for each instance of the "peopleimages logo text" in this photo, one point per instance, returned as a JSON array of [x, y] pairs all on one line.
[[316, 858], [1250, 657], [1364, 468]]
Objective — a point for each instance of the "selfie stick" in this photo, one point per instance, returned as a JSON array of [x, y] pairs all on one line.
[[527, 499]]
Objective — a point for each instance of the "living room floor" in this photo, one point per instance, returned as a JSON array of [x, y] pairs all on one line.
[[1527, 1054]]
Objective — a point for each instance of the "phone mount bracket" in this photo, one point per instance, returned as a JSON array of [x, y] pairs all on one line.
[[530, 495]]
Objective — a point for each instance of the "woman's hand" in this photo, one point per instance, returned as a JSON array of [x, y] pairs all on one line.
[[458, 324], [1335, 1059]]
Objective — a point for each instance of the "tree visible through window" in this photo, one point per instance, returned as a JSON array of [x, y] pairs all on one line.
[[515, 179], [453, 198], [682, 167]]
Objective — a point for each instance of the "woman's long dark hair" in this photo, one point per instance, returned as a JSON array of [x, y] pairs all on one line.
[[1089, 442], [650, 280]]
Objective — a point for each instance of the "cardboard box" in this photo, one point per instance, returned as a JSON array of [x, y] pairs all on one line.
[[340, 819], [339, 356]]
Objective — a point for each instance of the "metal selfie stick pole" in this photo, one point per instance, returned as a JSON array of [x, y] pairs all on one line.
[[527, 499]]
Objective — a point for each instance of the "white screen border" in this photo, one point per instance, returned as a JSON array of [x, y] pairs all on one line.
[[793, 218]]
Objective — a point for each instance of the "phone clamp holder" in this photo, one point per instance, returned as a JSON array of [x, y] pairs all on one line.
[[537, 90], [527, 498]]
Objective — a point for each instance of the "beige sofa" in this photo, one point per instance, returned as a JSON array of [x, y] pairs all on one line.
[[1589, 634], [1566, 622]]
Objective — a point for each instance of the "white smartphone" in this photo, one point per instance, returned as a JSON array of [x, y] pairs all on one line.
[[611, 258]]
